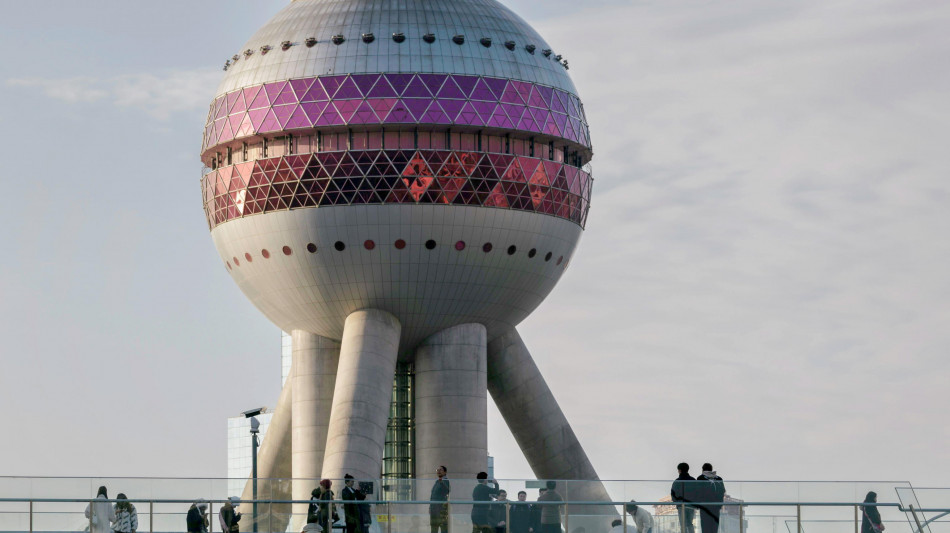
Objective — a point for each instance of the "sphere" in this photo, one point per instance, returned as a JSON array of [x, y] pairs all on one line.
[[422, 157]]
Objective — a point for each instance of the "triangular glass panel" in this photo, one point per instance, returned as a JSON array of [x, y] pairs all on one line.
[[274, 89], [315, 93], [416, 89], [286, 95], [382, 106], [546, 94], [499, 119], [497, 197], [416, 106], [329, 117], [283, 112], [466, 84], [511, 96], [364, 114], [482, 92], [257, 117], [300, 87], [297, 120], [534, 99], [313, 110], [364, 82], [484, 110], [435, 115], [347, 90], [514, 112], [398, 81], [346, 108], [400, 113], [450, 89], [238, 105], [331, 84], [433, 81], [270, 122], [382, 89], [452, 108]]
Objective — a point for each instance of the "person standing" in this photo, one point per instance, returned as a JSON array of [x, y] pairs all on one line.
[[197, 518], [100, 513], [351, 511], [481, 512], [439, 512], [711, 489], [326, 510], [520, 514], [683, 491], [126, 517], [228, 517], [536, 513], [871, 522], [641, 517], [499, 512], [551, 513]]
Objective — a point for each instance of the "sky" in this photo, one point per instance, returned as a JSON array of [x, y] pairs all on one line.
[[762, 282]]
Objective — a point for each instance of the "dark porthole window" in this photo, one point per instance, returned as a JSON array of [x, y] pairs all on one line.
[[265, 253], [369, 244], [486, 247], [460, 245], [532, 252], [248, 257], [399, 244], [287, 250], [339, 246], [236, 262], [547, 256], [559, 259], [430, 244], [312, 248], [512, 249]]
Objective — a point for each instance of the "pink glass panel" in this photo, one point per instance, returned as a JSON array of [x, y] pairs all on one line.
[[433, 81], [347, 89], [466, 84], [364, 82], [382, 89], [450, 89], [398, 81], [416, 89]]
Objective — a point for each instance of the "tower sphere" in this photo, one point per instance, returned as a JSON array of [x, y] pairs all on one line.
[[422, 157]]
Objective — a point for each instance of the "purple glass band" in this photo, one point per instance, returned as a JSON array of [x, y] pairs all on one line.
[[397, 177], [442, 99]]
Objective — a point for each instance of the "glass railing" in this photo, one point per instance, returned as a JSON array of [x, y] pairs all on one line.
[[404, 506]]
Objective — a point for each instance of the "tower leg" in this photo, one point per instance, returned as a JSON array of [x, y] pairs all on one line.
[[538, 424], [451, 402], [362, 394], [315, 360]]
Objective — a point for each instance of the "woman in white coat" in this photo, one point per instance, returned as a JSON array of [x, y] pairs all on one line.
[[101, 513]]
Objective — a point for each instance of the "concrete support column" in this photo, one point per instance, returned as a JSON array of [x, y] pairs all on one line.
[[363, 391], [313, 374], [538, 424], [452, 402]]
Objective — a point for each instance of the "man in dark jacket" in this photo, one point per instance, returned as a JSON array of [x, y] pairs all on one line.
[[481, 512], [439, 512], [520, 515], [536, 513], [351, 511], [197, 518], [683, 491], [499, 514], [711, 489]]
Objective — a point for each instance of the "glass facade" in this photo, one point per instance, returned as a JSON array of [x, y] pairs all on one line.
[[360, 99], [398, 451], [397, 177]]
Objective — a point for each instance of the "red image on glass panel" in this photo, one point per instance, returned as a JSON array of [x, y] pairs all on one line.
[[265, 253], [399, 244], [287, 250], [369, 245]]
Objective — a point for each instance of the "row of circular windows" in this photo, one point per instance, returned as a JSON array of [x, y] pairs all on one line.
[[399, 245], [398, 37]]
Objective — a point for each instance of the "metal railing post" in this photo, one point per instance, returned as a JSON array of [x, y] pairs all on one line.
[[920, 528], [448, 517], [623, 511], [151, 517], [92, 513], [31, 516], [798, 517], [389, 517], [741, 521], [857, 525], [507, 516], [682, 513]]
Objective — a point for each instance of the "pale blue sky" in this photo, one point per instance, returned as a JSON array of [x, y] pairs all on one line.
[[762, 283]]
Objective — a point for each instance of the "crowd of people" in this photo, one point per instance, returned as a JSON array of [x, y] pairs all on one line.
[[491, 512]]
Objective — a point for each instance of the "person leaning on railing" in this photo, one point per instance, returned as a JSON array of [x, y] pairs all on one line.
[[641, 517]]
